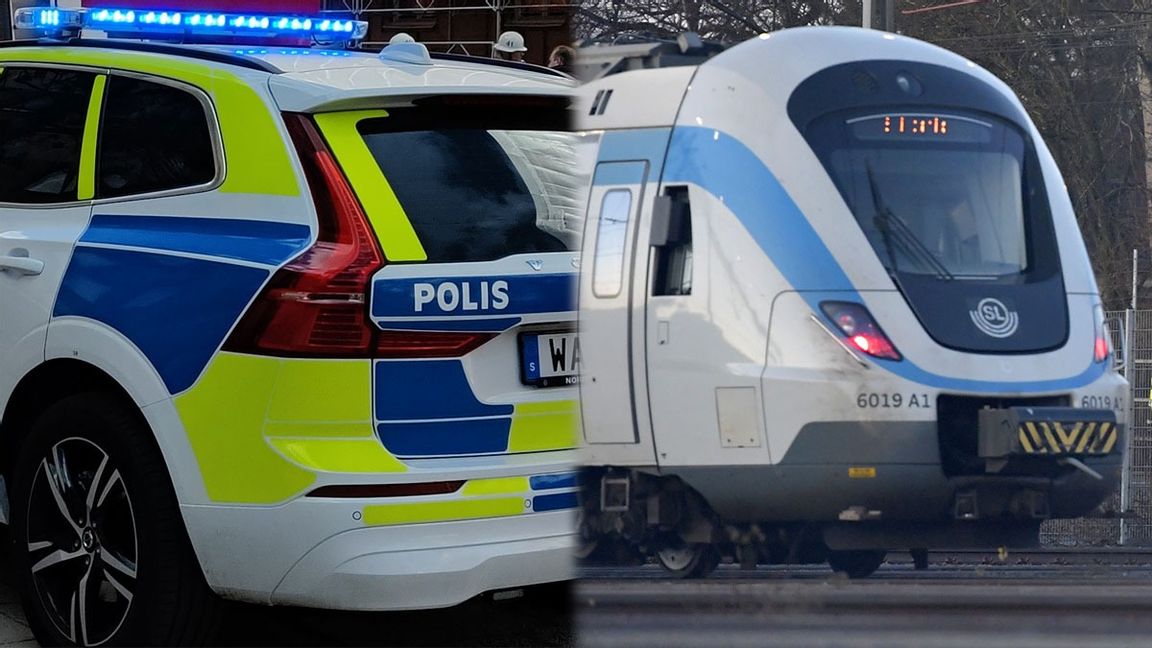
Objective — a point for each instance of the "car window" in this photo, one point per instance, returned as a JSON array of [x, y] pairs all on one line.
[[484, 187], [155, 137], [42, 115]]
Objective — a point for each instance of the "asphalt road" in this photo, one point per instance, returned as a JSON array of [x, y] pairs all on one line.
[[541, 617], [1045, 600], [538, 618]]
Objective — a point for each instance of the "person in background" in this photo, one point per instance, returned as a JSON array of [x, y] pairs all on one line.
[[561, 59], [509, 47]]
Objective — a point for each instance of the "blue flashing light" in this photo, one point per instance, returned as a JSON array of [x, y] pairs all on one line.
[[250, 51], [143, 23], [47, 19]]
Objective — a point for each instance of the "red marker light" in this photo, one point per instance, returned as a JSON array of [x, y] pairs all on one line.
[[860, 330], [1101, 348]]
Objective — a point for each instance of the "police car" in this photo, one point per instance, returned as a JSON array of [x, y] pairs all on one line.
[[272, 322]]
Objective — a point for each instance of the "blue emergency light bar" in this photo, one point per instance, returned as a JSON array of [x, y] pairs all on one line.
[[144, 23]]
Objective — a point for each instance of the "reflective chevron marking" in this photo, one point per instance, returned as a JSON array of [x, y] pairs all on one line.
[[1044, 437]]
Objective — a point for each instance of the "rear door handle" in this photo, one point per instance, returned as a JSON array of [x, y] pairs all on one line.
[[20, 265]]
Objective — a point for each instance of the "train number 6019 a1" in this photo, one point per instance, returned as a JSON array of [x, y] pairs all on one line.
[[873, 400]]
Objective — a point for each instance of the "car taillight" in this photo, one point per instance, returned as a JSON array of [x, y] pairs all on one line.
[[317, 304], [860, 331], [1102, 347]]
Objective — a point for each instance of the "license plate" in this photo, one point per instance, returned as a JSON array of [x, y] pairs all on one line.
[[549, 359]]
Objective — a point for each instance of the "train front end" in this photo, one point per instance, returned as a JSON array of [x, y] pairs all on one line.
[[896, 338]]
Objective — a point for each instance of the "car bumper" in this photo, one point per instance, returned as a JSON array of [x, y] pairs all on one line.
[[430, 565], [322, 553]]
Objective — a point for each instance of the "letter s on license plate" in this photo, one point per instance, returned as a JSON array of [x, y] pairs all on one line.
[[549, 359]]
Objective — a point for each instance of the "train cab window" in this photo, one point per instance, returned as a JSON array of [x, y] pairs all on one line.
[[42, 117], [611, 235], [155, 137], [943, 195]]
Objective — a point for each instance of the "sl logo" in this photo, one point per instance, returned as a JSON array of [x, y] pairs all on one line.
[[993, 318]]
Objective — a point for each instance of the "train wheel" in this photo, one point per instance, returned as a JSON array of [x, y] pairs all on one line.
[[856, 564], [588, 541], [688, 560]]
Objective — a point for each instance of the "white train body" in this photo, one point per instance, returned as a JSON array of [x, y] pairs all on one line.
[[739, 206]]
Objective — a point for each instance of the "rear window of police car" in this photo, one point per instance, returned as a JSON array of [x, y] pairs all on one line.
[[484, 186]]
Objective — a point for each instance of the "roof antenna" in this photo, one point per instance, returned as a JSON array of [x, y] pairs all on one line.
[[412, 53]]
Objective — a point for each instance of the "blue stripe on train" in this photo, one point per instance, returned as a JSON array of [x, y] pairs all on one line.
[[648, 144], [264, 242], [620, 173], [724, 167]]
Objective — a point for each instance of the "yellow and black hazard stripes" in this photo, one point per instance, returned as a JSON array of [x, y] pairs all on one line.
[[1054, 437]]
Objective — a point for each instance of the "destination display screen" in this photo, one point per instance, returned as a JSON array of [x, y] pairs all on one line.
[[920, 126]]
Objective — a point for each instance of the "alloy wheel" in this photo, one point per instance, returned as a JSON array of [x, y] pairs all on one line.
[[82, 542]]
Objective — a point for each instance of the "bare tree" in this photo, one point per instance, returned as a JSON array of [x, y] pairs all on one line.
[[1078, 69], [1083, 69], [728, 21]]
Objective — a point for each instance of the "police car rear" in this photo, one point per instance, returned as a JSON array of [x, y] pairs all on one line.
[[352, 345], [444, 273]]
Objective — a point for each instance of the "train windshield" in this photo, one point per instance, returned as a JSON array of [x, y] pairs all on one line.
[[937, 194]]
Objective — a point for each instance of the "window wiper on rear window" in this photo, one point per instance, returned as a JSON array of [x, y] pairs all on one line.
[[896, 233]]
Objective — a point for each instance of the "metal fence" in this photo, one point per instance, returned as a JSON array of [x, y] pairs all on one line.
[[1126, 519]]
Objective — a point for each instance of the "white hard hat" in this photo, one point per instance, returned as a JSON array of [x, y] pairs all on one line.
[[401, 38], [510, 41]]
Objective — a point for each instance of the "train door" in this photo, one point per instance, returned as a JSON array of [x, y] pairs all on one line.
[[607, 304]]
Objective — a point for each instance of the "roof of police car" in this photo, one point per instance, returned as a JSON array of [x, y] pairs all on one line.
[[349, 69], [341, 68]]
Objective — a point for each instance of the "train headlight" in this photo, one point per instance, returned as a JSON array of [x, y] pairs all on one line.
[[860, 330]]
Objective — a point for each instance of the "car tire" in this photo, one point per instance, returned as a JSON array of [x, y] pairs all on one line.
[[857, 563], [99, 546]]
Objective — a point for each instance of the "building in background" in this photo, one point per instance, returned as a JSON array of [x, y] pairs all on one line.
[[465, 26]]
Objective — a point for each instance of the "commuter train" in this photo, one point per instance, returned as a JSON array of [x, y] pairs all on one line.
[[834, 302]]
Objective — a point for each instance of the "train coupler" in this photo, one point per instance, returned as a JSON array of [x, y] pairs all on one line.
[[1045, 431]]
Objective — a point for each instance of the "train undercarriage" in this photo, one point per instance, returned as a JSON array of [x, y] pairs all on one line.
[[631, 517]]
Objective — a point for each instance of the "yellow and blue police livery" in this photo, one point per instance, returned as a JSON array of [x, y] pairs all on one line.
[[264, 314]]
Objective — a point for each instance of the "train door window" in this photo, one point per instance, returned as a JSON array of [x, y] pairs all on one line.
[[672, 240], [42, 117], [155, 137], [611, 235]]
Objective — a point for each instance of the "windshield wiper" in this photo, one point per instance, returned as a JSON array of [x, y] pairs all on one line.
[[896, 232]]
